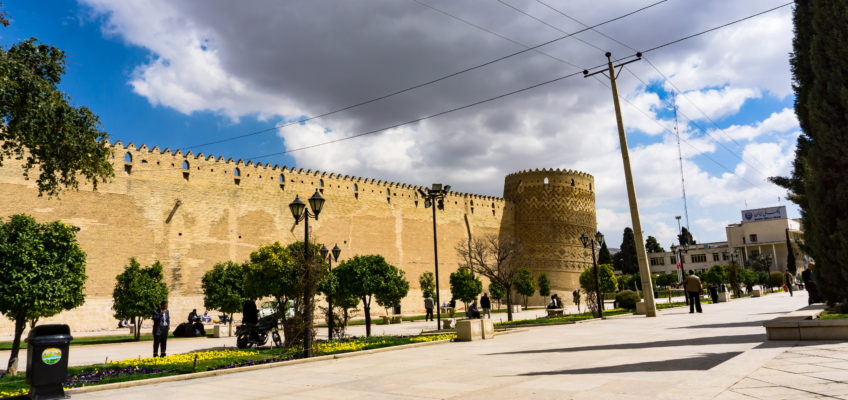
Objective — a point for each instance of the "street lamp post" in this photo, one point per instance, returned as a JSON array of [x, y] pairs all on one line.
[[325, 255], [435, 197], [596, 241], [301, 213]]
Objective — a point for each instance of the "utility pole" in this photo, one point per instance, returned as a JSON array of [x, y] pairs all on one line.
[[641, 253]]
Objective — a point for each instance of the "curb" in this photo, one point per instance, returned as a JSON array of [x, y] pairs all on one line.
[[206, 374]]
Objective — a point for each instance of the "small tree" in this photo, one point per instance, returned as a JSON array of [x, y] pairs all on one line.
[[653, 246], [629, 262], [733, 278], [667, 280], [749, 278], [272, 272], [496, 292], [524, 284], [465, 287], [344, 306], [365, 277], [716, 275], [395, 288], [138, 292], [544, 285], [761, 262], [776, 279], [42, 272], [495, 258], [790, 255], [223, 289], [427, 283], [607, 278]]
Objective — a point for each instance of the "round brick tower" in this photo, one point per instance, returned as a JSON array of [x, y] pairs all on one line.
[[551, 209]]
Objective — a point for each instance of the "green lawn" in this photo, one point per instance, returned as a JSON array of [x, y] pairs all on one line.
[[832, 315]]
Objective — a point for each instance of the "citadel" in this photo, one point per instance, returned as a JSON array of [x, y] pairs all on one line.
[[192, 211]]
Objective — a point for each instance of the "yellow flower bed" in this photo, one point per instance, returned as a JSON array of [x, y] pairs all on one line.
[[184, 358], [13, 394], [432, 338]]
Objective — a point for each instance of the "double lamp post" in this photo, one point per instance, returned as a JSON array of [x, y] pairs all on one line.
[[301, 213], [435, 198]]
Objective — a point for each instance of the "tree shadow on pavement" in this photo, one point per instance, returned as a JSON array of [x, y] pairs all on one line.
[[701, 341], [726, 325], [697, 363]]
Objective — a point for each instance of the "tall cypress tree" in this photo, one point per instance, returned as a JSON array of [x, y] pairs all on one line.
[[629, 265], [790, 255], [819, 184], [604, 256]]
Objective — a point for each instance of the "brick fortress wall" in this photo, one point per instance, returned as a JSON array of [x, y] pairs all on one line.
[[192, 211]]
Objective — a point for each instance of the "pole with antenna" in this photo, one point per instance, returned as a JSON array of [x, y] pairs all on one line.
[[680, 158]]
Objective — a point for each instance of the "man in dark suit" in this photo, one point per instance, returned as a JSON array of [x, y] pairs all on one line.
[[161, 324]]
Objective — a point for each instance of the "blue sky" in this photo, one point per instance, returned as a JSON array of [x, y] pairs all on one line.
[[178, 73]]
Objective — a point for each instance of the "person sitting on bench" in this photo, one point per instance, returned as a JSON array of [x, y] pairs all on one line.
[[555, 302], [473, 312]]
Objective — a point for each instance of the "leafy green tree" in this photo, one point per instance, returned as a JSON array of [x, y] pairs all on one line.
[[344, 305], [496, 292], [749, 278], [762, 262], [223, 288], [138, 292], [605, 274], [427, 283], [716, 275], [629, 263], [618, 262], [685, 237], [653, 246], [365, 277], [465, 287], [604, 256], [280, 272], [40, 125], [790, 255], [42, 272], [544, 285], [667, 280], [776, 279], [818, 183], [395, 288], [524, 284], [734, 278]]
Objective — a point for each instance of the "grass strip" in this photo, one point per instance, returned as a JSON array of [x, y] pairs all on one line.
[[832, 315]]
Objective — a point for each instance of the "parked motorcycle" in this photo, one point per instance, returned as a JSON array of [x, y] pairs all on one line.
[[248, 335]]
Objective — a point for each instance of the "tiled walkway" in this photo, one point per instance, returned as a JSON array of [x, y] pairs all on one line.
[[806, 371]]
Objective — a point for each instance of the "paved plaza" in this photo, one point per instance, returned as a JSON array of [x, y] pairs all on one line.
[[721, 353]]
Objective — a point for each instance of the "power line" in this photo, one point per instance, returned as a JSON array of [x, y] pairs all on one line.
[[673, 85], [547, 24], [716, 28], [302, 120], [509, 94]]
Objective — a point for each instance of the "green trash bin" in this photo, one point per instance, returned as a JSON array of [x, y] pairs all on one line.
[[47, 360]]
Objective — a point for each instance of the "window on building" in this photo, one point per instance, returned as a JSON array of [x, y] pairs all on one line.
[[672, 260], [753, 237], [725, 256], [657, 260], [715, 257], [699, 258]]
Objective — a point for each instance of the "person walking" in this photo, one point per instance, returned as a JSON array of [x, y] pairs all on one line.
[[692, 284], [486, 305], [790, 280], [161, 324], [428, 305]]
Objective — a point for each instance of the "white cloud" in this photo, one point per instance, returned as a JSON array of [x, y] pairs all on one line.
[[287, 60]]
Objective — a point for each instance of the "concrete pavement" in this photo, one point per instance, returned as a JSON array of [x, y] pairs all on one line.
[[676, 355]]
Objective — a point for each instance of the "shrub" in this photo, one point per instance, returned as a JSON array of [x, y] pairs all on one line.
[[627, 299], [775, 279]]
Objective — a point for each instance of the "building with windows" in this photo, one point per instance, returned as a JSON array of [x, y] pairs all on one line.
[[761, 235]]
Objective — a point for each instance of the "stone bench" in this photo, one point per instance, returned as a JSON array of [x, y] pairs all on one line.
[[800, 325], [468, 330], [723, 297], [555, 312]]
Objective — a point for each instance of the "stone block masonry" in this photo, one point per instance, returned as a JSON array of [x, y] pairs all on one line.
[[192, 211]]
